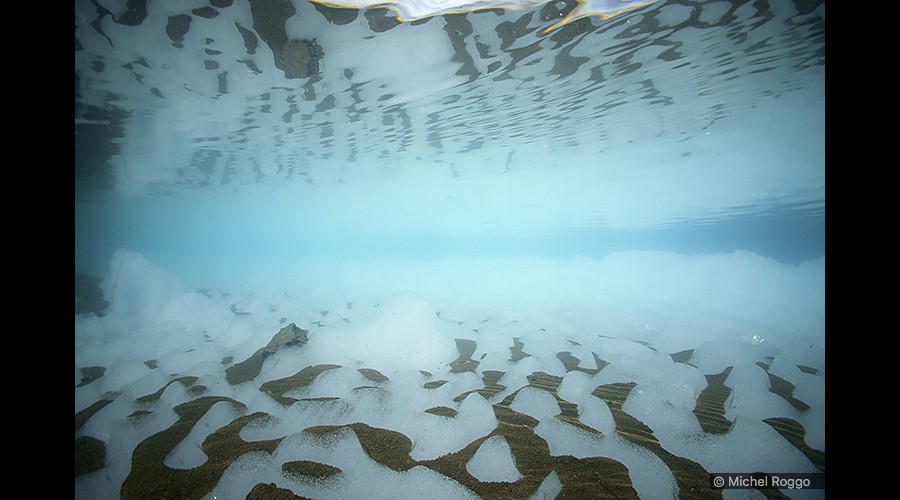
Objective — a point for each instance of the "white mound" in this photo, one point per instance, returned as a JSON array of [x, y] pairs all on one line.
[[404, 333]]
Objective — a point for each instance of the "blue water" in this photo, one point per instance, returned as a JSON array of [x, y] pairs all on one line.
[[646, 190], [694, 128]]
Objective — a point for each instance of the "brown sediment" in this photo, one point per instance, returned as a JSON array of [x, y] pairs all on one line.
[[516, 352], [568, 360], [90, 374], [530, 453], [783, 388], [82, 416], [90, 455], [373, 375], [464, 363], [691, 477], [579, 477], [491, 387], [276, 388], [601, 363], [442, 411], [592, 477], [389, 448], [710, 407], [568, 411], [569, 415], [151, 478], [307, 469], [187, 382], [197, 390], [572, 363], [246, 370], [545, 381], [795, 434], [271, 491]]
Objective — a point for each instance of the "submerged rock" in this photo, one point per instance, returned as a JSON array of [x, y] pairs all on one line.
[[289, 335], [249, 368], [300, 58], [88, 295]]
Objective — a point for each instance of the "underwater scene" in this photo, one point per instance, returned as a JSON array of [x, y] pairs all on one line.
[[449, 249]]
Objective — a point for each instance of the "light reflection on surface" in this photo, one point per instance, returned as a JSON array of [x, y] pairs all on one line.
[[411, 10]]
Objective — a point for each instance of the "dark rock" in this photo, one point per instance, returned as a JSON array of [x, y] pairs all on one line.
[[300, 58], [249, 368], [88, 296], [289, 335]]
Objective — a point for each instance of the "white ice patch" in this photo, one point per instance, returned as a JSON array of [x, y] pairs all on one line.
[[132, 376], [549, 489], [751, 397], [189, 334], [121, 435], [245, 472], [474, 419], [761, 449], [537, 403], [650, 477], [494, 462], [714, 356], [566, 439], [360, 477], [141, 292], [665, 400], [813, 420], [404, 333]]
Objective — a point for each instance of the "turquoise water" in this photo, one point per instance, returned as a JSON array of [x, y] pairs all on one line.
[[646, 191], [693, 127]]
